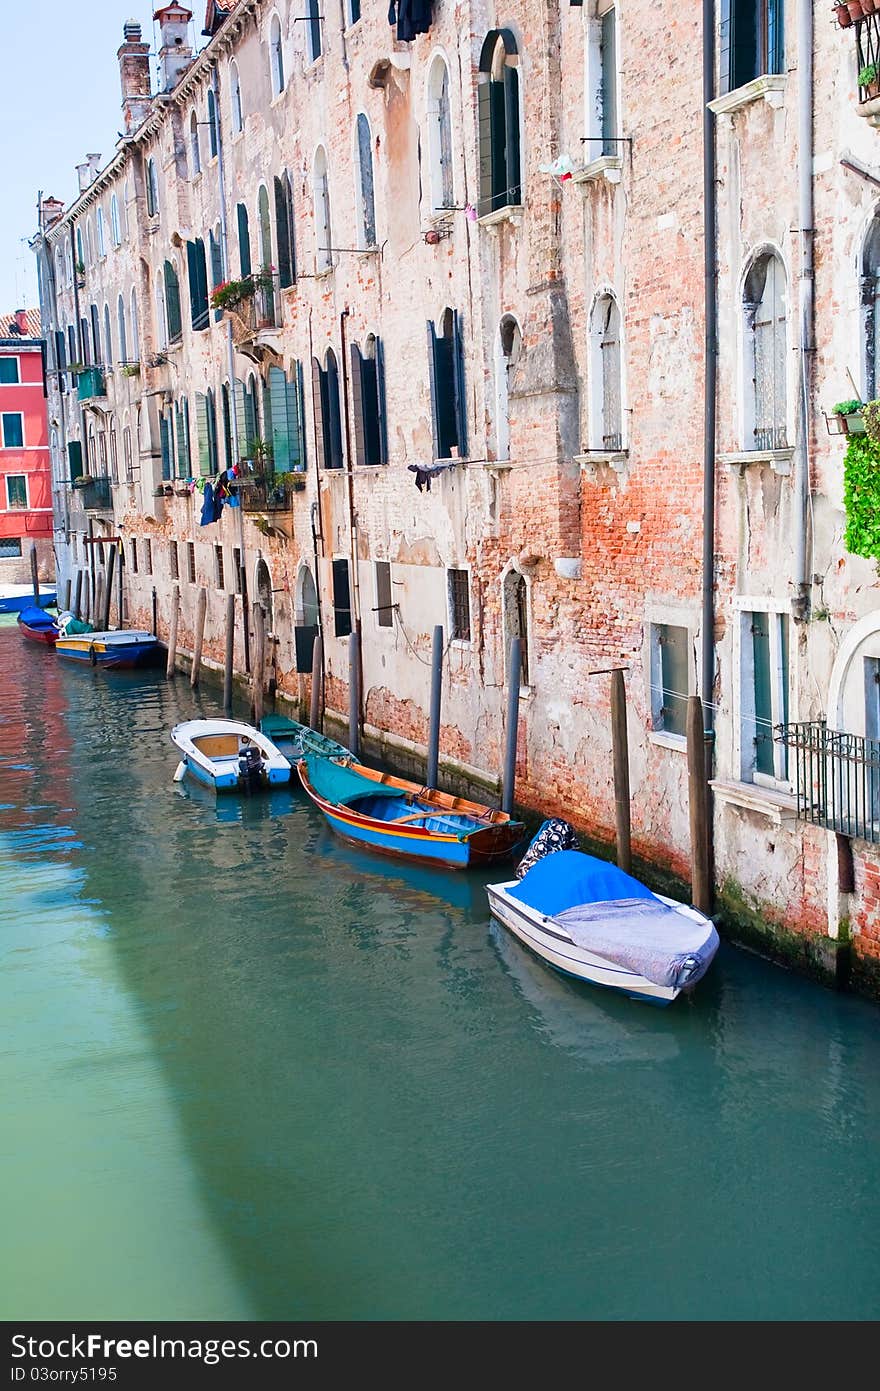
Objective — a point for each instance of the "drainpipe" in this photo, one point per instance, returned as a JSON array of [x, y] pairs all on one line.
[[230, 352], [800, 604], [710, 365], [352, 523]]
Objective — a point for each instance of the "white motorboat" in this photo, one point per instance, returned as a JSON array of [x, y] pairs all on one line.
[[229, 756]]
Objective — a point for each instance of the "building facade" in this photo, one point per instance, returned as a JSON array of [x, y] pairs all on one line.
[[25, 476], [525, 322]]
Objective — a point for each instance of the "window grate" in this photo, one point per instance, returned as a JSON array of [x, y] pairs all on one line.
[[837, 778], [460, 604]]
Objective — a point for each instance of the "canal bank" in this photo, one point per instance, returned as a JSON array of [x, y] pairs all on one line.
[[249, 1072]]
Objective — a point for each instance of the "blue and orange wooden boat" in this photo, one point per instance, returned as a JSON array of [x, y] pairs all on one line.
[[116, 650], [397, 817]]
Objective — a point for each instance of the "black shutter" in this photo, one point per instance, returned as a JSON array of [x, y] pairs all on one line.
[[380, 402], [498, 117], [282, 234], [434, 375], [318, 412], [332, 413], [75, 459], [372, 440], [341, 599], [458, 385], [484, 119], [511, 136], [357, 399]]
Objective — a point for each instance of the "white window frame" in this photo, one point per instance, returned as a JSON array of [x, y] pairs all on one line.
[[235, 98], [195, 146], [27, 493], [666, 617], [12, 357], [99, 232], [322, 211], [115, 229], [3, 444], [439, 60], [745, 366], [744, 689], [276, 56], [596, 394]]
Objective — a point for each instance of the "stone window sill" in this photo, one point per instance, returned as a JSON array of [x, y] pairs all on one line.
[[606, 167], [770, 87], [870, 110], [512, 213], [778, 459], [616, 459], [766, 801], [663, 740]]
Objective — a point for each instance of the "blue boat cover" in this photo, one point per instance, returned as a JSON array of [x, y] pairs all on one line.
[[35, 618], [339, 784], [568, 878]]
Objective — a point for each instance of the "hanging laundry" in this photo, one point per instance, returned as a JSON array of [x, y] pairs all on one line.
[[212, 506], [561, 168], [412, 17], [425, 472]]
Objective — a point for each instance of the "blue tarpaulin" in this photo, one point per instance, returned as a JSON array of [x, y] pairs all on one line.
[[568, 877]]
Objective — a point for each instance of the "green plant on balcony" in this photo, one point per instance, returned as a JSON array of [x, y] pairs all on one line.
[[869, 82], [76, 367], [131, 369], [83, 481], [230, 293], [861, 495], [848, 415], [260, 453]]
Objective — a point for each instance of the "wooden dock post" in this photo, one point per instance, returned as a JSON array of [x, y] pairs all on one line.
[[620, 763], [65, 607], [120, 598], [317, 680], [514, 671], [99, 603], [155, 613], [230, 650], [35, 575], [354, 695], [93, 581], [698, 806], [107, 578], [199, 636], [258, 676], [77, 594], [172, 636], [434, 712]]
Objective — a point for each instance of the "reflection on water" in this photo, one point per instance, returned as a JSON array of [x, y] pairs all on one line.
[[250, 1071]]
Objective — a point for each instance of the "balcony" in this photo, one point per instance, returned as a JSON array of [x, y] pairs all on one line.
[[254, 311], [867, 35], [90, 384], [837, 778], [94, 494], [269, 494]]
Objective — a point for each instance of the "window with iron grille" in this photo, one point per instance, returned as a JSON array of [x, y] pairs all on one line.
[[458, 582], [384, 599], [191, 561], [218, 567], [174, 561], [10, 547], [670, 679], [148, 556], [133, 553]]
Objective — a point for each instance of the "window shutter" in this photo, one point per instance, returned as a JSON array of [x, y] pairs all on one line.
[[244, 240], [282, 235], [202, 433], [609, 82], [380, 402], [357, 396], [280, 429], [434, 375], [182, 452], [75, 459], [484, 120], [165, 443], [775, 36], [172, 302], [300, 450], [724, 48], [242, 438], [216, 270], [498, 120], [458, 380], [333, 413], [511, 136], [341, 599], [318, 413]]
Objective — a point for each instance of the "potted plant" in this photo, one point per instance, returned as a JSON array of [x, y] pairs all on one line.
[[855, 9], [869, 86], [843, 15], [230, 293], [259, 454], [83, 480], [131, 369], [869, 6], [850, 412], [298, 482], [76, 367]]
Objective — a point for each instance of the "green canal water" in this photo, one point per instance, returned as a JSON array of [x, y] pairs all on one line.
[[248, 1072]]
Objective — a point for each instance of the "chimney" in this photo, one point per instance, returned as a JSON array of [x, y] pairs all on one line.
[[50, 211], [175, 54], [21, 318], [88, 171], [134, 76]]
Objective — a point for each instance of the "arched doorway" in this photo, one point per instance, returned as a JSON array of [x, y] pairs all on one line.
[[263, 587], [307, 618]]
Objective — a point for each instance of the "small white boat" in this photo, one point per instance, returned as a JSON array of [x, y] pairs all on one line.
[[229, 756], [589, 920]]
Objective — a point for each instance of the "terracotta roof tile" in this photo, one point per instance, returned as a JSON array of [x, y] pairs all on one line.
[[33, 321]]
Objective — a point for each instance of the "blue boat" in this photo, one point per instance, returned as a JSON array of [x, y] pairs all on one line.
[[38, 625], [15, 597], [397, 817], [123, 648]]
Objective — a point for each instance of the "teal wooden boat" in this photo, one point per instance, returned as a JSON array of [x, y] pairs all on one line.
[[297, 740]]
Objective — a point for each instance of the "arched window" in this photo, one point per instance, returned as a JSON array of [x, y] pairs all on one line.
[[195, 152], [515, 601], [161, 323], [870, 288], [606, 381], [108, 339], [90, 242], [306, 598], [499, 123], [284, 236], [80, 254], [133, 327], [213, 137], [440, 136], [368, 401], [244, 240], [235, 98], [211, 432], [120, 328], [326, 406], [59, 268], [764, 367], [366, 196], [507, 354], [321, 197], [276, 56], [152, 189], [68, 264], [99, 225], [115, 229], [314, 15], [95, 318]]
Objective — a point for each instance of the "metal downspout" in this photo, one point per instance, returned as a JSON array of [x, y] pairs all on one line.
[[710, 368], [800, 605]]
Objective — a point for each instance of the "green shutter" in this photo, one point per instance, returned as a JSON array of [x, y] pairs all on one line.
[[301, 417], [380, 400], [182, 449], [202, 434], [484, 119], [498, 116], [357, 398], [165, 445], [458, 385], [172, 303], [318, 413], [280, 426], [244, 240], [294, 422], [763, 731], [242, 438], [75, 459]]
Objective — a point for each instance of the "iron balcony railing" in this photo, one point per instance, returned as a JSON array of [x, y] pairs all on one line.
[[868, 53], [837, 778], [95, 495], [90, 383], [267, 494]]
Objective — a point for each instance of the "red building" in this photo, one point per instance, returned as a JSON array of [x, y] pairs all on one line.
[[25, 467]]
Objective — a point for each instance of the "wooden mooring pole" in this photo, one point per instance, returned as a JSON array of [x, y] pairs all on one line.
[[354, 694], [317, 679], [65, 606], [199, 636], [120, 597], [108, 589], [620, 763], [35, 575], [155, 613], [230, 650], [99, 603], [172, 636], [77, 594], [698, 805], [514, 673], [434, 712], [258, 675]]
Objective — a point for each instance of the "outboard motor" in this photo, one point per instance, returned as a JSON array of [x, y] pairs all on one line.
[[553, 834], [250, 766]]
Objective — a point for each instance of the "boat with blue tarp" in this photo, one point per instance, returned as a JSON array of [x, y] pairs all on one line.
[[38, 625], [15, 597]]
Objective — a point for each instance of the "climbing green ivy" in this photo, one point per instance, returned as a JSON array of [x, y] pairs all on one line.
[[861, 496]]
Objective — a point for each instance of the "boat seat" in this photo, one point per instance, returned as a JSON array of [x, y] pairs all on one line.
[[217, 745]]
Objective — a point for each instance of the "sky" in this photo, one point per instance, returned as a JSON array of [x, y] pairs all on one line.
[[59, 100]]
